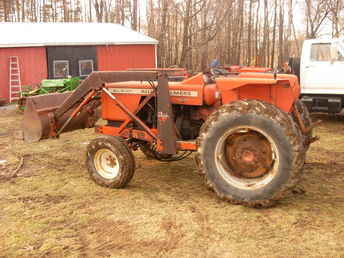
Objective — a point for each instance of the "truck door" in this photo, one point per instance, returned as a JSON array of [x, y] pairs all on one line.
[[322, 70]]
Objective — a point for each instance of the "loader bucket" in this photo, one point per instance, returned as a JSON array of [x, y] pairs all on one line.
[[40, 121]]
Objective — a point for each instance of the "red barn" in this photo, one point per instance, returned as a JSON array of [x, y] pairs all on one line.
[[59, 50]]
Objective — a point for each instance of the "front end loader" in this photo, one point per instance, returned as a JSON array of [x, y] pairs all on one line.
[[248, 131]]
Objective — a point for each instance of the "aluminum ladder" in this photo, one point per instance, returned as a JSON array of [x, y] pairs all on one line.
[[14, 79]]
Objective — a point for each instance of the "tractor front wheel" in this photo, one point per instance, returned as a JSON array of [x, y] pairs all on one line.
[[110, 162], [250, 153]]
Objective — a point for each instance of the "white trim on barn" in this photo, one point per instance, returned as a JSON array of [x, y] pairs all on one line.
[[69, 34]]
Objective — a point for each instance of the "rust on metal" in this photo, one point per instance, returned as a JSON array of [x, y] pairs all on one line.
[[40, 121], [37, 122], [248, 155]]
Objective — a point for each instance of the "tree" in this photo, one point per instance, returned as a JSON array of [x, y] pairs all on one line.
[[316, 13]]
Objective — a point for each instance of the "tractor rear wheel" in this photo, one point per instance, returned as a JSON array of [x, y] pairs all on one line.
[[110, 162], [250, 153]]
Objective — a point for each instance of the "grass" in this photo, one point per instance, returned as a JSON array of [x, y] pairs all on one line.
[[53, 209]]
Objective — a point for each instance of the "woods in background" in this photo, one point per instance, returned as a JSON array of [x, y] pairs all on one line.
[[193, 32]]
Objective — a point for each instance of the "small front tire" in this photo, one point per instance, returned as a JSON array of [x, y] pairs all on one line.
[[110, 162]]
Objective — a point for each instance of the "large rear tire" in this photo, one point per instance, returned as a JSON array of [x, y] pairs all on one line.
[[110, 162], [250, 153]]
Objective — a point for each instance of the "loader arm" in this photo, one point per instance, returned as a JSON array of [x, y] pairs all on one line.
[[77, 110], [96, 80]]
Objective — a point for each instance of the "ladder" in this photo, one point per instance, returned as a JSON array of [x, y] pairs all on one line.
[[14, 79]]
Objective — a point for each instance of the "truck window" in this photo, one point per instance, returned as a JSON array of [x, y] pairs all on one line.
[[321, 52]]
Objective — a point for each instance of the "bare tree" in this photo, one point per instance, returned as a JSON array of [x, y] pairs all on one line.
[[316, 13], [193, 32]]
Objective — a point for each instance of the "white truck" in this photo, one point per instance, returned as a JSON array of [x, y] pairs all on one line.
[[321, 74]]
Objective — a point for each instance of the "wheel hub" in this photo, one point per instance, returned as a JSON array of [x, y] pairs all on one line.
[[249, 155], [106, 163], [111, 161]]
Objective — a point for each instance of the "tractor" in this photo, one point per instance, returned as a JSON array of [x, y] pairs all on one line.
[[249, 132]]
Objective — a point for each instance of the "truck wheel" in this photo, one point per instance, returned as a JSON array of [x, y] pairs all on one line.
[[307, 120], [110, 162], [250, 153]]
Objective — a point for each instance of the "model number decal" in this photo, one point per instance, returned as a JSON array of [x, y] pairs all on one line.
[[173, 93], [130, 91], [183, 93]]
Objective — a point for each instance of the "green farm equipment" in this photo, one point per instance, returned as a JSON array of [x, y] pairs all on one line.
[[50, 86]]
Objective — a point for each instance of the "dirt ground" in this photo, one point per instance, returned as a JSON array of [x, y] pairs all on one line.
[[50, 207]]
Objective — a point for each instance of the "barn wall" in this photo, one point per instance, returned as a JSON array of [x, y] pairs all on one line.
[[73, 54], [32, 63], [121, 57]]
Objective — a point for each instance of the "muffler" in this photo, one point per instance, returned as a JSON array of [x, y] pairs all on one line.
[[40, 121]]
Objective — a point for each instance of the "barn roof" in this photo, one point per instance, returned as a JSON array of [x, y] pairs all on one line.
[[69, 34]]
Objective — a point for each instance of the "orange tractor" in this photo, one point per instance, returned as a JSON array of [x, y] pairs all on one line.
[[249, 131]]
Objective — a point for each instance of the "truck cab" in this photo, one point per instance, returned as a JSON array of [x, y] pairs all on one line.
[[322, 75]]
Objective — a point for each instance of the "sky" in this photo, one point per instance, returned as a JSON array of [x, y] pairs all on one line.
[[299, 19]]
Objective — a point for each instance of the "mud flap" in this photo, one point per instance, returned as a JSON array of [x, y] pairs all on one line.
[[166, 126]]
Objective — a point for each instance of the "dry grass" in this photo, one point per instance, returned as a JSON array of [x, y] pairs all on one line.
[[52, 208]]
